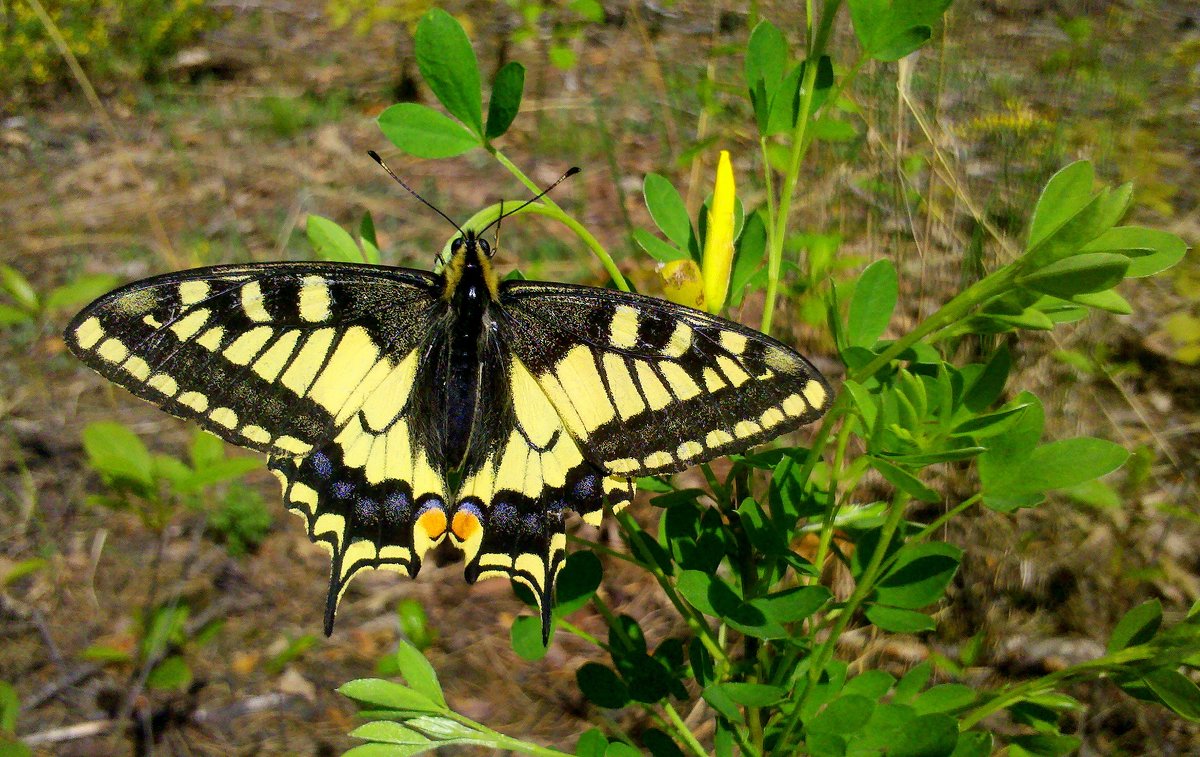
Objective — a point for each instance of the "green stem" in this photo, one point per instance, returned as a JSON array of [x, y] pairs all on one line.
[[863, 589], [503, 741], [799, 148], [1024, 690], [603, 549], [948, 315], [570, 627], [695, 620], [827, 529], [954, 512], [682, 731], [550, 208]]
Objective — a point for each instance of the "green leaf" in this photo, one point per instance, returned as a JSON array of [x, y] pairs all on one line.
[[419, 673], [205, 449], [891, 29], [922, 736], [1078, 274], [872, 305], [366, 232], [171, 673], [658, 249], [601, 685], [751, 248], [659, 744], [752, 694], [785, 105], [1060, 464], [903, 480], [447, 62], [10, 316], [116, 452], [507, 88], [388, 695], [766, 57], [843, 716], [421, 131], [832, 129], [621, 749], [1042, 745], [80, 291], [578, 581], [104, 653], [591, 744], [919, 575], [908, 687], [1137, 626], [1176, 691], [1067, 193], [1155, 250], [667, 209], [387, 732], [22, 568], [793, 605], [331, 242], [1099, 215], [973, 744], [1107, 300], [384, 750], [872, 684], [719, 700], [526, 634], [19, 288], [10, 705], [946, 697], [897, 620]]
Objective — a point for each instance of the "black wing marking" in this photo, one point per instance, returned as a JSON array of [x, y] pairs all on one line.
[[646, 386]]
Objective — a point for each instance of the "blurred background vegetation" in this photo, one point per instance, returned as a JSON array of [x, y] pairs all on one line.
[[142, 137]]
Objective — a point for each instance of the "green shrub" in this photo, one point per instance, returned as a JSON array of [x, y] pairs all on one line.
[[112, 39], [763, 629]]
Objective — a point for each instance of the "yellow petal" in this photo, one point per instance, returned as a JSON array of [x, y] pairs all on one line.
[[682, 284], [718, 243]]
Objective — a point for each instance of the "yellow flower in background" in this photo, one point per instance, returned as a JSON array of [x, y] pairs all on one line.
[[682, 283], [718, 243]]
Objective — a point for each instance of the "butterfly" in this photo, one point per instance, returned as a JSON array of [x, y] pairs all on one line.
[[402, 408]]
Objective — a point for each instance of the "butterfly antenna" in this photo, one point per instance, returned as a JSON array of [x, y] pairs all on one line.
[[375, 156], [570, 172]]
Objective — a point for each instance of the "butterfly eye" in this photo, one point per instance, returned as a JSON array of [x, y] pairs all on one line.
[[485, 248]]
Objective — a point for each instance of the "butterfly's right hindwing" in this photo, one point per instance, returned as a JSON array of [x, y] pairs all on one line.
[[274, 357]]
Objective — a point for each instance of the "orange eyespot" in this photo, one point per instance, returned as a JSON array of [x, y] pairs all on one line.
[[465, 525], [433, 523]]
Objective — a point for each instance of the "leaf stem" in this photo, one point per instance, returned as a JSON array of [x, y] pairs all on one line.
[[695, 621], [685, 734], [550, 208], [863, 589]]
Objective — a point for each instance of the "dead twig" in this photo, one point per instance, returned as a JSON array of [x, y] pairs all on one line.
[[214, 716]]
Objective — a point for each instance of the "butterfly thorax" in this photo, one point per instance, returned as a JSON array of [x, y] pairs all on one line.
[[470, 289]]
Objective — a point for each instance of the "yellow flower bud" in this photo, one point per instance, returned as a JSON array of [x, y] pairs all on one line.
[[718, 242], [682, 284]]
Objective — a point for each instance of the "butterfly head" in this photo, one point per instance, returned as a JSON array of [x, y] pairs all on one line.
[[469, 271]]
